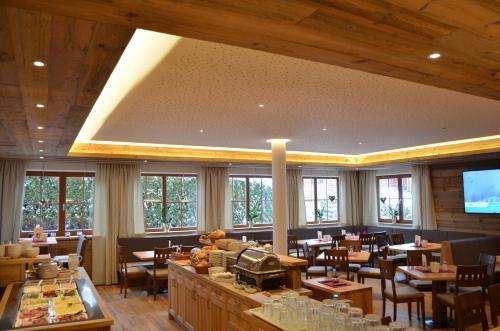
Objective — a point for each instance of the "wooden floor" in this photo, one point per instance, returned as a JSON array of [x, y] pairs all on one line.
[[140, 312]]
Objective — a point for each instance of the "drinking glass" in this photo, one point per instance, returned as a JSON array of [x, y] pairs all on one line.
[[358, 324], [301, 304], [354, 312], [276, 309], [396, 326], [328, 303], [267, 307], [326, 318], [372, 320], [284, 315], [340, 321], [381, 328], [341, 307]]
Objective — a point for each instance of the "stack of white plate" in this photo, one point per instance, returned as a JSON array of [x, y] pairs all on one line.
[[47, 270], [225, 255], [215, 258]]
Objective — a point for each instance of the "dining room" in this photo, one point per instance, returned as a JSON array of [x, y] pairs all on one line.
[[249, 165]]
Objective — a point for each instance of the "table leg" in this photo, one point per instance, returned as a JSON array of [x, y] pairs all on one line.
[[439, 317], [314, 251], [293, 277]]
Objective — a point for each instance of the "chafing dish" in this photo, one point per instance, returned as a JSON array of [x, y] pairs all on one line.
[[260, 268]]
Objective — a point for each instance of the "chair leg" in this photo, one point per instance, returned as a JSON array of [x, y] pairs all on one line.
[[409, 311], [423, 313], [395, 310], [121, 283], [154, 288], [418, 310], [383, 307], [126, 286]]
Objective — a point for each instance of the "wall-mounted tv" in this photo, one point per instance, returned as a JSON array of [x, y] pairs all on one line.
[[482, 191]]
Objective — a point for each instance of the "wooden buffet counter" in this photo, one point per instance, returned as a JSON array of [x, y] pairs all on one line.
[[198, 303], [14, 270], [99, 317]]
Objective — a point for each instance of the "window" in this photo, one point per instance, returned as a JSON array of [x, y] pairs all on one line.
[[394, 199], [251, 201], [58, 202], [170, 199], [321, 200]]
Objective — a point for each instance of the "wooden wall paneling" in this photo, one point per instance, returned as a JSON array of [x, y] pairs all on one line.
[[447, 185], [391, 37], [30, 36]]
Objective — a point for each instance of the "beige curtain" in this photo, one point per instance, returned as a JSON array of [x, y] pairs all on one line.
[[368, 197], [295, 197], [424, 216], [216, 197], [12, 175], [350, 200], [118, 212]]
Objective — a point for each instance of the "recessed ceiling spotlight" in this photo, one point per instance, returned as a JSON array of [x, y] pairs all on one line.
[[39, 127], [41, 157], [41, 150], [40, 105], [230, 164], [38, 63], [40, 141], [360, 143], [201, 131], [261, 106], [434, 56], [324, 129], [145, 161]]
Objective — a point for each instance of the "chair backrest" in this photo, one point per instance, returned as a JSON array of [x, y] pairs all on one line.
[[337, 258], [367, 239], [161, 255], [380, 240], [80, 247], [414, 258], [336, 240], [307, 252], [293, 245], [494, 297], [469, 308], [354, 245], [397, 239], [490, 261], [387, 272], [122, 262], [470, 276]]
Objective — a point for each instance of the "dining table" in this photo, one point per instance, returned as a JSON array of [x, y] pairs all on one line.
[[411, 247], [145, 256], [48, 242], [439, 285]]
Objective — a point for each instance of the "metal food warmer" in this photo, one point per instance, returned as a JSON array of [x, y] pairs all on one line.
[[260, 268]]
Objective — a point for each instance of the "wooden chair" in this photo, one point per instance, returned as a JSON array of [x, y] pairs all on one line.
[[371, 272], [494, 297], [160, 271], [380, 240], [339, 259], [414, 259], [401, 294], [490, 261], [354, 245], [470, 310], [312, 270], [367, 241], [336, 240], [80, 250], [467, 276], [293, 245], [127, 272], [397, 239]]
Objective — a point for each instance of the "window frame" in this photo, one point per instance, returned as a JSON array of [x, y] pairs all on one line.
[[164, 203], [61, 231], [401, 219], [316, 220], [248, 225]]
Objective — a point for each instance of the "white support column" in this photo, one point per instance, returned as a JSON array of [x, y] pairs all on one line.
[[280, 241]]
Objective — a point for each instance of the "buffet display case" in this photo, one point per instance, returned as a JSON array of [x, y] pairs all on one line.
[[59, 304]]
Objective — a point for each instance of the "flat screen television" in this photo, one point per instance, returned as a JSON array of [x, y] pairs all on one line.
[[482, 191]]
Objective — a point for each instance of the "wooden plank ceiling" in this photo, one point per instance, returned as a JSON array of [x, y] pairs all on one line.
[[388, 37], [79, 55]]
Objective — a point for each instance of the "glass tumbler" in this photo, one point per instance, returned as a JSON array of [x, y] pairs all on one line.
[[358, 324], [372, 321], [396, 326], [340, 321], [267, 307], [354, 312], [276, 309]]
